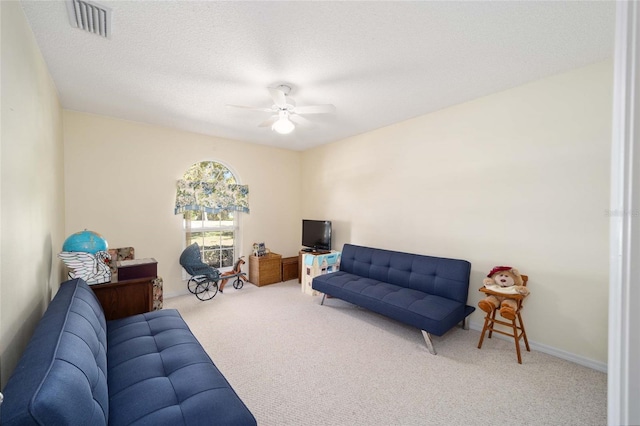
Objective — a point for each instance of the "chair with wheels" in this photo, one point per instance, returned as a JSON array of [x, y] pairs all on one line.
[[204, 278], [514, 328]]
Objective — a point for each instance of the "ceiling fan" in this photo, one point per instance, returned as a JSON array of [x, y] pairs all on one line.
[[285, 112]]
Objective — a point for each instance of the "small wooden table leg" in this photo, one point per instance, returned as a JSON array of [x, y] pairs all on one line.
[[484, 330], [517, 339], [493, 317], [524, 333]]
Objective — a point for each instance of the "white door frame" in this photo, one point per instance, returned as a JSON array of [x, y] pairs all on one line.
[[624, 278]]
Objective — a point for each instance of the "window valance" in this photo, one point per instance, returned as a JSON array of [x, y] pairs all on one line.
[[211, 197]]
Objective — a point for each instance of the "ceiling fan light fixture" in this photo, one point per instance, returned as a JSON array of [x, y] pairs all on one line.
[[283, 126], [284, 108]]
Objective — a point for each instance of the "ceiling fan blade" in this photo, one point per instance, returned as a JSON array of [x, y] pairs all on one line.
[[298, 119], [250, 108], [269, 122], [316, 109], [278, 97]]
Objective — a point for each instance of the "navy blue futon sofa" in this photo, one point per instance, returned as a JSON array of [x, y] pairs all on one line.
[[147, 369], [426, 292]]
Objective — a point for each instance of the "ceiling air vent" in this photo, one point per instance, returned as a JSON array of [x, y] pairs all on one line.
[[90, 17]]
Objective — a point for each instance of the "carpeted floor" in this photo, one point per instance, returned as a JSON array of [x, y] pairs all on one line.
[[294, 362]]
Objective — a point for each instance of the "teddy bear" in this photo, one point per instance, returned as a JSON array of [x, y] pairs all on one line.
[[505, 280]]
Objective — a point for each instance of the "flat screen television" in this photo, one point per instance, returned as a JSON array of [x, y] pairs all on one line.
[[316, 234]]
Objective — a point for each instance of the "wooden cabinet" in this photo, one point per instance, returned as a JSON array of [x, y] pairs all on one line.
[[265, 269], [289, 268], [124, 298]]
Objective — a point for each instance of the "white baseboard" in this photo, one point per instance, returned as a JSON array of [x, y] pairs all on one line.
[[176, 293], [559, 353]]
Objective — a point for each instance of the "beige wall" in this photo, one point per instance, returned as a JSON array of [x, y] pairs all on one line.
[[517, 178], [121, 176], [32, 224]]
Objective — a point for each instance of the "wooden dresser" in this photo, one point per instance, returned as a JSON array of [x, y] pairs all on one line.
[[124, 298]]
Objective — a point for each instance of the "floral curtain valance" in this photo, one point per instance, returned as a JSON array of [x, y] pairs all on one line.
[[211, 197]]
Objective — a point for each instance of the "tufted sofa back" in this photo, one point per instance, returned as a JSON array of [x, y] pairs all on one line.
[[66, 362], [447, 278]]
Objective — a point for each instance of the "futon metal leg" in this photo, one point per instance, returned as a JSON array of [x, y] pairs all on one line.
[[427, 339], [465, 324], [323, 296]]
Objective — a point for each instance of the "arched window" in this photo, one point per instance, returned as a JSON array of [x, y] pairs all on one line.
[[209, 198]]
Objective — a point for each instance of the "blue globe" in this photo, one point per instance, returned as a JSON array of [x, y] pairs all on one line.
[[85, 241]]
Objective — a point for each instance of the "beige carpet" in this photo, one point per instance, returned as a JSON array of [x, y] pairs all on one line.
[[294, 362]]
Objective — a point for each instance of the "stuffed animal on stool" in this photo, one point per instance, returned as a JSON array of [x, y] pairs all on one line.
[[505, 280]]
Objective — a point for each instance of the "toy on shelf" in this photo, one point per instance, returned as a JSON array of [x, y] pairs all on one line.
[[259, 249]]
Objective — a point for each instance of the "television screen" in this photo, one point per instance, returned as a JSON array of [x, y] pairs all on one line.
[[316, 234]]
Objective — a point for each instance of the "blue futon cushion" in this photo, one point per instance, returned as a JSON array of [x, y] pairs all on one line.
[[61, 378], [160, 374]]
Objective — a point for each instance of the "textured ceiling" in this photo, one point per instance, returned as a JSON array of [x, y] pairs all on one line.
[[177, 63]]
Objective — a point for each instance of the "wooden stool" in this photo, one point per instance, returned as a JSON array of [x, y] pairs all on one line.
[[516, 326]]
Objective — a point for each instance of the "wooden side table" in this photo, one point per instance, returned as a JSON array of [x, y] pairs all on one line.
[[265, 269]]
